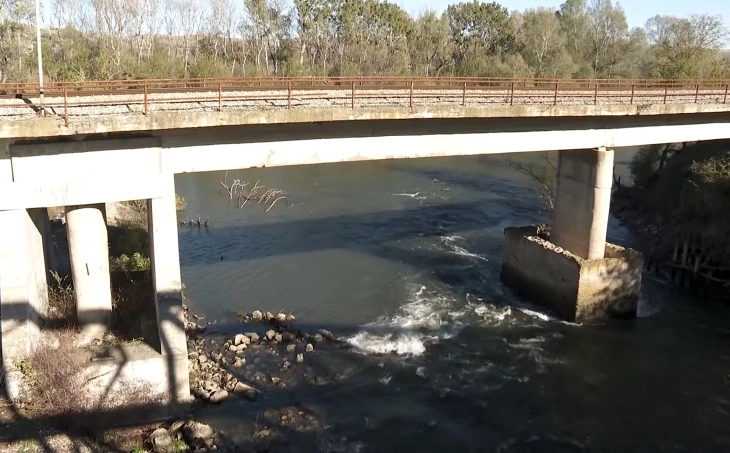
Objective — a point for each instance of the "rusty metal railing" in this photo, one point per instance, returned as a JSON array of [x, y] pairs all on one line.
[[400, 91]]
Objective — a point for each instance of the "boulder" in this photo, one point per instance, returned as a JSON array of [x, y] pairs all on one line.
[[291, 348], [257, 315], [253, 336], [270, 334], [300, 358], [198, 434], [278, 338], [326, 334], [309, 348], [218, 396], [161, 441]]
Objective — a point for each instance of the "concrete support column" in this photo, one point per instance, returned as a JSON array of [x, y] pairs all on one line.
[[580, 214], [165, 262], [88, 246], [23, 287]]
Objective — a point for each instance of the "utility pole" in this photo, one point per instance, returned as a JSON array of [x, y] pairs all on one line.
[[40, 57]]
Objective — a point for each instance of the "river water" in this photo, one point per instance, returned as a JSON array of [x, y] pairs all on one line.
[[401, 260]]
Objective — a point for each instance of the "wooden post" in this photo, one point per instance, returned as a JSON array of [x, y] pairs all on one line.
[[288, 96], [411, 96], [724, 99], [220, 97], [145, 97], [555, 95], [595, 94], [463, 96], [512, 94], [697, 93], [666, 88], [633, 88], [65, 106], [352, 95]]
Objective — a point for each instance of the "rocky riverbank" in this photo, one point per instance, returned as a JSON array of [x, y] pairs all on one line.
[[269, 355]]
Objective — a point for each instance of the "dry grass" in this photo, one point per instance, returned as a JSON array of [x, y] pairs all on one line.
[[61, 303]]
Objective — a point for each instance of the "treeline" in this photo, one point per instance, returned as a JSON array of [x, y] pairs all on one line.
[[113, 39]]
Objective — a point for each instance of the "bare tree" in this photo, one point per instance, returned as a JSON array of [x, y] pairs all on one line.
[[236, 191], [544, 175]]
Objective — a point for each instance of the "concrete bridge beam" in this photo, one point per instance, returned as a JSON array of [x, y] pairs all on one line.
[[89, 253]]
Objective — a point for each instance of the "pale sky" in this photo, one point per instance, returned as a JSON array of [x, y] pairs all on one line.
[[637, 11]]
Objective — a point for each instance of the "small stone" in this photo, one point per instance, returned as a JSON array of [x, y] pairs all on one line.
[[309, 347], [300, 358], [326, 334], [241, 347], [202, 359], [161, 441], [291, 348], [241, 339], [233, 348], [257, 315], [240, 362], [253, 336], [270, 334], [274, 380], [278, 338], [218, 397]]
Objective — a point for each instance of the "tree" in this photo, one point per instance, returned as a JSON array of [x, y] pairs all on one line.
[[609, 36], [429, 45], [575, 23], [543, 44], [687, 47]]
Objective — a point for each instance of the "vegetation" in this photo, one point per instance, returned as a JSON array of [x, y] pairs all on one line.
[[113, 39]]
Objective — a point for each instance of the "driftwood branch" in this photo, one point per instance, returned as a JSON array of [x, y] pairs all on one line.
[[544, 177], [258, 193]]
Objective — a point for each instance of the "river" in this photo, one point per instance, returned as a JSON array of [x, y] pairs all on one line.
[[401, 260]]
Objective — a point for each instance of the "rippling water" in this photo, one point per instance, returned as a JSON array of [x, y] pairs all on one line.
[[401, 260]]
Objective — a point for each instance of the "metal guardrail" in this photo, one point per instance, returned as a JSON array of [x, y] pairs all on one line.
[[509, 90]]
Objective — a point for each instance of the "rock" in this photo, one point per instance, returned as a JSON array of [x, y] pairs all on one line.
[[300, 358], [177, 426], [309, 347], [245, 390], [209, 386], [233, 348], [202, 359], [253, 336], [198, 434], [317, 338], [268, 317], [326, 334], [278, 338], [275, 380], [287, 336], [241, 347], [281, 317], [270, 334], [218, 397], [291, 348], [161, 441], [257, 315], [239, 362]]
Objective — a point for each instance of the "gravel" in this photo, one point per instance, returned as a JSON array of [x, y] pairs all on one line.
[[248, 101]]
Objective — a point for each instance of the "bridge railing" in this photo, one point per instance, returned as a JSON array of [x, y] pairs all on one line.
[[353, 92]]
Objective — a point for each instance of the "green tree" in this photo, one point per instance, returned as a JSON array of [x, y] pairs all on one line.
[[543, 44], [429, 45]]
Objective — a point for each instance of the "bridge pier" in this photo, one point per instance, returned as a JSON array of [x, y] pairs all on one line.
[[570, 267], [23, 287], [88, 246]]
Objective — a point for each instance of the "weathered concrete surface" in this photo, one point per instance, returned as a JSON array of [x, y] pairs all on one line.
[[583, 198], [576, 289], [89, 253], [23, 286], [193, 118], [165, 262]]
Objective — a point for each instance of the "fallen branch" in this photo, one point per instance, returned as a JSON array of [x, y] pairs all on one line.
[[237, 190]]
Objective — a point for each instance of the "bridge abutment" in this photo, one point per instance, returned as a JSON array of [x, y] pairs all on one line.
[[569, 267]]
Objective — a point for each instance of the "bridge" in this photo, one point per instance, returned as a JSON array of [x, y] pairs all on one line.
[[79, 145]]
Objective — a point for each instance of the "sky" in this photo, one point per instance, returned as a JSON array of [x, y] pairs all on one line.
[[637, 11]]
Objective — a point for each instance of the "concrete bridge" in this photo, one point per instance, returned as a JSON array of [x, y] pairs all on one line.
[[80, 146]]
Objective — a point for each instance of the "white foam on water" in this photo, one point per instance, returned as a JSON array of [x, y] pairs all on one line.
[[429, 318], [416, 195], [458, 250], [537, 314]]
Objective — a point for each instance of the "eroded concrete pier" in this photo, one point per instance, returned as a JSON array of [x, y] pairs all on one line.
[[570, 267]]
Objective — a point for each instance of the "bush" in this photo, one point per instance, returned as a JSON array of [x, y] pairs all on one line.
[[644, 165]]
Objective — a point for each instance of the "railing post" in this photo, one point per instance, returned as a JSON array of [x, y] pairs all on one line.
[[288, 96], [65, 106], [512, 94], [352, 95], [724, 99], [555, 95], [595, 94], [666, 88], [411, 96], [220, 97], [463, 96], [145, 98], [697, 93], [633, 88]]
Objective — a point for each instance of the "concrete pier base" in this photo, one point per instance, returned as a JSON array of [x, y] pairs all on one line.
[[576, 289], [23, 287], [88, 246]]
